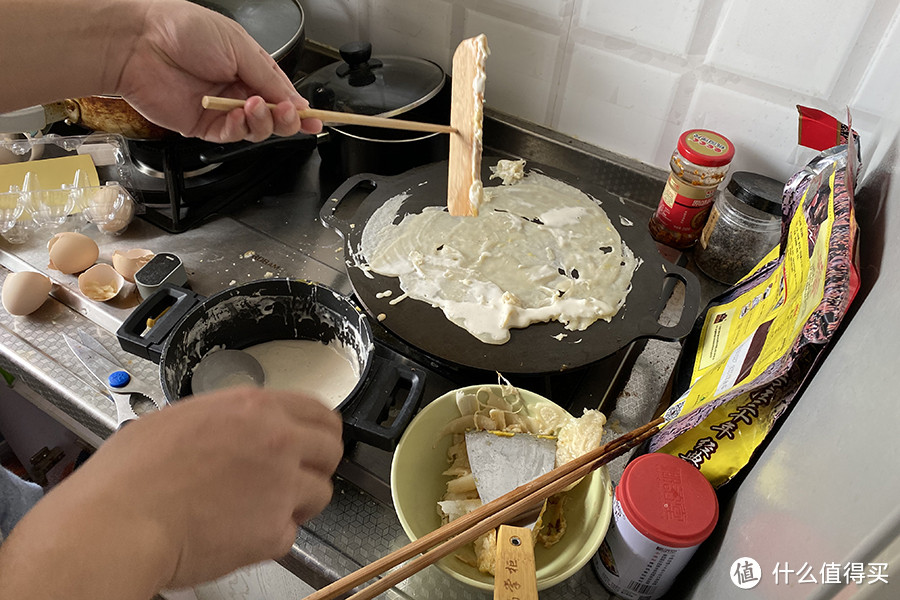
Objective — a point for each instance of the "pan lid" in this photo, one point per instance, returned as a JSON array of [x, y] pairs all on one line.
[[385, 86], [276, 25]]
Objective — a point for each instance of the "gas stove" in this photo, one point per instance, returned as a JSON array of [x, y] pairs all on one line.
[[181, 182], [245, 214]]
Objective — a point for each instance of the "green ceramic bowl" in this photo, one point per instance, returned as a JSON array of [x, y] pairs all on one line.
[[417, 484]]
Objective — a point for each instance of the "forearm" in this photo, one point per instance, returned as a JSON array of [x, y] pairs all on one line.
[[79, 544], [54, 49]]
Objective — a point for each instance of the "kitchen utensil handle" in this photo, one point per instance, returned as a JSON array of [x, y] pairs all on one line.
[[124, 410], [26, 119], [338, 118], [689, 311], [353, 191], [165, 307], [390, 378], [515, 571]]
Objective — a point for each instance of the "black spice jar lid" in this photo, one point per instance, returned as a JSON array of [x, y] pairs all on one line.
[[758, 191]]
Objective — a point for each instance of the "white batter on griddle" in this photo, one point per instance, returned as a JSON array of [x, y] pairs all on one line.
[[539, 250], [320, 370]]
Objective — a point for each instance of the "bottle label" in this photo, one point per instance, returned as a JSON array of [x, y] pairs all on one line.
[[684, 208], [634, 567], [709, 227]]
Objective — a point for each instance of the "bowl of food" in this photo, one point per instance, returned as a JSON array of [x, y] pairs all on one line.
[[429, 468]]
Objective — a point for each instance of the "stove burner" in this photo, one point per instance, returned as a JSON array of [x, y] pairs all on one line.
[[151, 171], [182, 181]]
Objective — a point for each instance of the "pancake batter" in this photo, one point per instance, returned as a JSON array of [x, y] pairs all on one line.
[[307, 366], [539, 250]]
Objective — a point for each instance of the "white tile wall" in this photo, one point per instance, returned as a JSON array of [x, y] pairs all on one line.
[[521, 82], [630, 76]]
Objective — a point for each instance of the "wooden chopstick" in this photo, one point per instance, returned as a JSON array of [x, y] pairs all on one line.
[[444, 540], [330, 116]]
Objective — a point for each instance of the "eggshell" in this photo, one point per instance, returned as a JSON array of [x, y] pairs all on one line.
[[24, 292], [101, 282], [72, 252], [128, 262]]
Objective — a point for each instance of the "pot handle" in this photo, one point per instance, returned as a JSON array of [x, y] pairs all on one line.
[[148, 326], [334, 213], [390, 378], [689, 311]]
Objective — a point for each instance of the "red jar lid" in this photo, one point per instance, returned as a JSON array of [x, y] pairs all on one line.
[[705, 148], [668, 500]]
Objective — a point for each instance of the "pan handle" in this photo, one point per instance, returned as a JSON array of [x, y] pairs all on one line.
[[341, 206], [166, 307], [689, 311], [392, 377]]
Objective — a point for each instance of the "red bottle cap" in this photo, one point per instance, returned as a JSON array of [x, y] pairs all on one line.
[[668, 500], [705, 148]]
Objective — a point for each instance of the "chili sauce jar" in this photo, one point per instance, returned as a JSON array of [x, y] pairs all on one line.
[[743, 226], [698, 165], [663, 509]]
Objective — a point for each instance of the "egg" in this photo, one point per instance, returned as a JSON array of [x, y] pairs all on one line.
[[128, 262], [72, 252], [24, 292], [101, 282]]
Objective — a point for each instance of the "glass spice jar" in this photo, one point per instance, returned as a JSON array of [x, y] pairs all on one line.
[[744, 225], [698, 165]]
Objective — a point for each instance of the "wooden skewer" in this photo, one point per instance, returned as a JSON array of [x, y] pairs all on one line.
[[448, 538], [330, 116]]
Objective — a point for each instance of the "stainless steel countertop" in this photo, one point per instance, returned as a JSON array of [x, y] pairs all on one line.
[[279, 235]]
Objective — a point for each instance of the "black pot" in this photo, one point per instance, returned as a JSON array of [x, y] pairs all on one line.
[[271, 309], [409, 88]]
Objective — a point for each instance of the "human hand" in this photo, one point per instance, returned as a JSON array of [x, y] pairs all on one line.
[[179, 497], [231, 475], [185, 52]]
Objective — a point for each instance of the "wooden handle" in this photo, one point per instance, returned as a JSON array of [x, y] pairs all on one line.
[[514, 573], [216, 103]]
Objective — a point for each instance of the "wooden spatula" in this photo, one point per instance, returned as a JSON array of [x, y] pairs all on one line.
[[466, 114]]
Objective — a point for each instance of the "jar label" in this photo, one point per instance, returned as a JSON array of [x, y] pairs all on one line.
[[684, 208], [634, 567], [679, 192], [709, 227]]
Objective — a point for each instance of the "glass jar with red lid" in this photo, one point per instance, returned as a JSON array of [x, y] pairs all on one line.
[[698, 165]]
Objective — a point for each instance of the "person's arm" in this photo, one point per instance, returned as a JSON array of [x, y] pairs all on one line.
[[178, 497], [163, 56]]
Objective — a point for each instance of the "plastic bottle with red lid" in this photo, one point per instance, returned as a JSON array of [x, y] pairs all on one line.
[[698, 165], [663, 509]]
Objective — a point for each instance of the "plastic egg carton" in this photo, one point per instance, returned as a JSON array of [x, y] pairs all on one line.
[[29, 205]]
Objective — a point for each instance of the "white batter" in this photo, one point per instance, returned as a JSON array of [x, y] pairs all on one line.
[[539, 250], [321, 370]]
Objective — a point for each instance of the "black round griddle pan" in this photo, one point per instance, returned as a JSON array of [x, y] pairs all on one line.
[[541, 348]]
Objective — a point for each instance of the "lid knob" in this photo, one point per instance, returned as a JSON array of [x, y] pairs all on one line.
[[358, 63]]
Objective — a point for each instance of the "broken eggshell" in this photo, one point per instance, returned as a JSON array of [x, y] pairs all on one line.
[[101, 282], [128, 263], [24, 292], [72, 252]]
